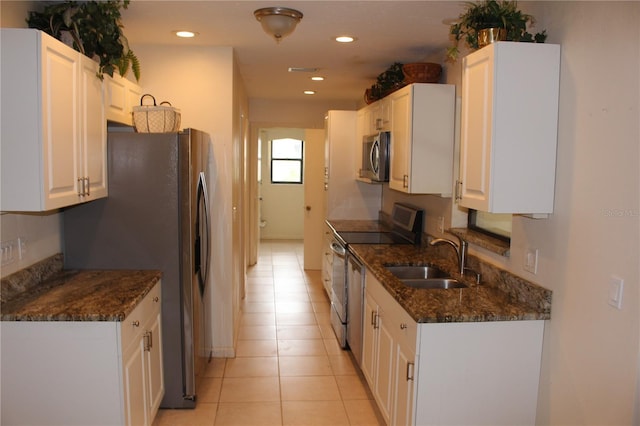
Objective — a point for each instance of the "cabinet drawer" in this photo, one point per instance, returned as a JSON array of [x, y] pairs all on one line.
[[134, 324]]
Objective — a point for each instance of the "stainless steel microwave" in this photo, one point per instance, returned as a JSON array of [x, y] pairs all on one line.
[[375, 157]]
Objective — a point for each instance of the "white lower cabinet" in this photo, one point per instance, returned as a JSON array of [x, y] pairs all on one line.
[[481, 373], [389, 342], [143, 384], [84, 372]]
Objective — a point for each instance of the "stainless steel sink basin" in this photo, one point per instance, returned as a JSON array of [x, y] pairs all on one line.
[[416, 272], [424, 276], [433, 283]]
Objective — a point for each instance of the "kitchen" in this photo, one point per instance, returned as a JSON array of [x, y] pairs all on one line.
[[591, 355]]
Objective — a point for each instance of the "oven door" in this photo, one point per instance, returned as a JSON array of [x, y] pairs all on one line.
[[339, 292]]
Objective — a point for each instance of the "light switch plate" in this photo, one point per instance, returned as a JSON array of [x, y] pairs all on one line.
[[616, 286], [531, 260]]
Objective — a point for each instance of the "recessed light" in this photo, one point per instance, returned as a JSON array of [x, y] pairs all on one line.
[[345, 39], [309, 92], [317, 78], [186, 34]]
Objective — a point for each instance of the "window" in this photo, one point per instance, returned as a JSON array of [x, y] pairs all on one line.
[[286, 161], [497, 225]]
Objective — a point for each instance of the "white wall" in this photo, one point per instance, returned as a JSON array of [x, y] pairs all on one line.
[[591, 350]]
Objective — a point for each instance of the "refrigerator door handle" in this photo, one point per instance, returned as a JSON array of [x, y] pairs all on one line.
[[202, 260]]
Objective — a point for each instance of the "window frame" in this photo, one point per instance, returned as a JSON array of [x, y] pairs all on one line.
[[287, 159], [472, 224]]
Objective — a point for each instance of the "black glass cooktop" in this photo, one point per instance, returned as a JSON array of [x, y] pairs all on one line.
[[372, 238]]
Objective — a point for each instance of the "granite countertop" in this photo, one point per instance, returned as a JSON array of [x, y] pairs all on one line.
[[501, 296], [76, 295]]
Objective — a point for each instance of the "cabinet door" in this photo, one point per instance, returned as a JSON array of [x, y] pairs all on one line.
[[94, 132], [399, 171], [155, 379], [384, 384], [135, 389], [405, 375], [60, 126], [115, 99], [327, 260], [476, 129], [508, 147], [369, 339]]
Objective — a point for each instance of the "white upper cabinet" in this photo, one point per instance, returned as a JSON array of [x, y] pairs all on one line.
[[120, 96], [422, 139], [509, 128], [378, 116], [53, 125]]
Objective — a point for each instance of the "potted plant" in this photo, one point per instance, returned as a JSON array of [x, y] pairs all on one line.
[[476, 25], [92, 28], [388, 81]]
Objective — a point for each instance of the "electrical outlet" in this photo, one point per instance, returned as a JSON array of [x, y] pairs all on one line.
[[531, 260], [9, 250], [441, 224]]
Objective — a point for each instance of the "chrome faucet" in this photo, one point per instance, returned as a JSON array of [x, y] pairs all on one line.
[[461, 253]]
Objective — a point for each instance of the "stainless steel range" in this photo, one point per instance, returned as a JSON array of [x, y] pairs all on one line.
[[347, 284]]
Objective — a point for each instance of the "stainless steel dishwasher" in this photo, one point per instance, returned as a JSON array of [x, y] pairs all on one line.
[[355, 289]]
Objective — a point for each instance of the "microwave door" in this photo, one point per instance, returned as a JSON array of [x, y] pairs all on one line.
[[374, 157]]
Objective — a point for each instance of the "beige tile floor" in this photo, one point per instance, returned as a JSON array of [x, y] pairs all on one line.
[[289, 369]]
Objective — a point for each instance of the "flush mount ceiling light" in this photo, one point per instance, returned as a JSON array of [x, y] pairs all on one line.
[[309, 92], [317, 78], [278, 22]]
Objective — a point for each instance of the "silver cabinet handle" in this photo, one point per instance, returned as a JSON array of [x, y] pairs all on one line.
[[403, 326], [135, 323], [148, 341], [410, 371], [156, 299]]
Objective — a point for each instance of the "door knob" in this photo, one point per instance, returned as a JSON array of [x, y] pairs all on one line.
[[308, 208]]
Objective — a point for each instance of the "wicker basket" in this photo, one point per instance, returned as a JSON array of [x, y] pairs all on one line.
[[154, 118], [421, 72]]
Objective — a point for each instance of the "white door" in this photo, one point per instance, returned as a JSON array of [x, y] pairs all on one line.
[[313, 198]]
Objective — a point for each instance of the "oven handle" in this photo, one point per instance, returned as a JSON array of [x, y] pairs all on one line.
[[338, 250]]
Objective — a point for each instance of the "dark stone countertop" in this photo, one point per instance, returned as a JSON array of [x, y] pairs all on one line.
[[501, 296], [76, 295]]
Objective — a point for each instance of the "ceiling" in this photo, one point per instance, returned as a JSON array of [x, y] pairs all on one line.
[[386, 32]]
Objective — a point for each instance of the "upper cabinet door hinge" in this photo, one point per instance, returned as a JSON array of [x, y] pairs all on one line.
[[458, 191]]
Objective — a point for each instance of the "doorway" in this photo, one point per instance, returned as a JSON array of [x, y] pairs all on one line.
[[290, 210]]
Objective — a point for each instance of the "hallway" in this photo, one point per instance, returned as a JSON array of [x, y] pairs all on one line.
[[289, 369]]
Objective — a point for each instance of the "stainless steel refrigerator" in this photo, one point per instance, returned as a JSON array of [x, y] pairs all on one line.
[[155, 217]]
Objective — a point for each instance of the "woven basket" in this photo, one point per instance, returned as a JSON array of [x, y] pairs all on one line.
[[154, 118], [421, 72]]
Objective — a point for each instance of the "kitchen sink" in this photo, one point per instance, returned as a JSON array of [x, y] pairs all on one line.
[[433, 283], [424, 276], [416, 272]]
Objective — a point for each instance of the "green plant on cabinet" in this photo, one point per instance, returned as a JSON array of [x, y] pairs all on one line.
[[94, 29], [492, 14]]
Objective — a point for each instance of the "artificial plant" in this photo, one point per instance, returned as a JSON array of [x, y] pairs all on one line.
[[95, 28], [492, 14]]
